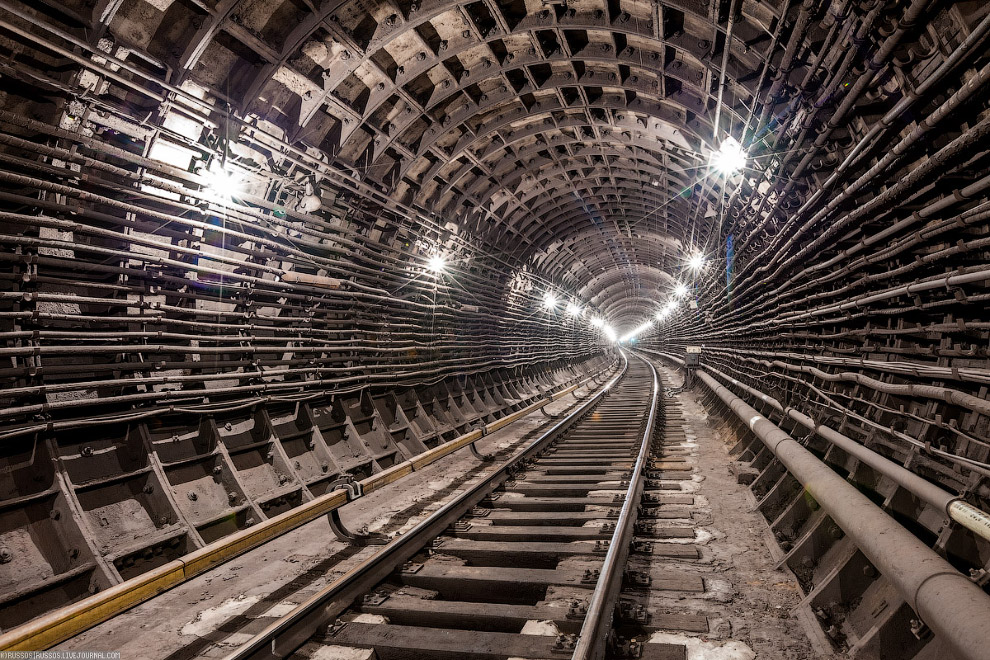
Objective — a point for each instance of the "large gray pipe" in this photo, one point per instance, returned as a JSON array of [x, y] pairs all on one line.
[[967, 515], [947, 601]]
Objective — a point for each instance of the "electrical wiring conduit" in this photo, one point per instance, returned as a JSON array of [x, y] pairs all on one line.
[[57, 626], [962, 512], [954, 607]]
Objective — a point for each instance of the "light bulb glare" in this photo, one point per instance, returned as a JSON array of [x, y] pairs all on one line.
[[437, 264], [730, 157], [223, 184]]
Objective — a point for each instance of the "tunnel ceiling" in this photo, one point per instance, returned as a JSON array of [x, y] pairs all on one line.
[[571, 136]]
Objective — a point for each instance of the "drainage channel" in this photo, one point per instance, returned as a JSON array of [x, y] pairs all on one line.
[[531, 563]]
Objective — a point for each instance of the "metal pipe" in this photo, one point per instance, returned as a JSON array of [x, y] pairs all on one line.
[[962, 512], [955, 608], [725, 63]]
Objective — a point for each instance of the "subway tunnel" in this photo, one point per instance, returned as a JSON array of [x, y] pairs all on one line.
[[375, 329]]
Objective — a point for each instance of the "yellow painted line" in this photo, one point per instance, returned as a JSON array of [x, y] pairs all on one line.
[[65, 622], [386, 477], [435, 454], [68, 621]]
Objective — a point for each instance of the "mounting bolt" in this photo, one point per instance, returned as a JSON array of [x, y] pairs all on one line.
[[192, 495], [6, 556], [148, 489]]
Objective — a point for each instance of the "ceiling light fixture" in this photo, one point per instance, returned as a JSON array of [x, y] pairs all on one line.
[[437, 264], [549, 300], [681, 290], [573, 309], [635, 332], [223, 184], [730, 157], [696, 261]]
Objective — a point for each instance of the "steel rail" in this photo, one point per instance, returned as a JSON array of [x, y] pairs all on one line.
[[71, 620], [284, 636], [594, 634]]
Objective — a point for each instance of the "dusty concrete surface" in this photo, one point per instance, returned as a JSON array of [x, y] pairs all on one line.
[[750, 603], [214, 613]]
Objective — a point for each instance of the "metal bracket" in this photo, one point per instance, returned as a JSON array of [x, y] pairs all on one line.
[[362, 536], [633, 612], [564, 644], [486, 458], [547, 399], [591, 576], [375, 598], [354, 488]]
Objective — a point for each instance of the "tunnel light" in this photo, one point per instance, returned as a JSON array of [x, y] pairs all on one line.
[[730, 157], [662, 314], [597, 322], [223, 184], [696, 261], [610, 333], [573, 309], [671, 306], [681, 290], [437, 264], [549, 300], [635, 332]]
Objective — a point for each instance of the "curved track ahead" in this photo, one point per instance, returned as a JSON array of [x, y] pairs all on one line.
[[538, 547]]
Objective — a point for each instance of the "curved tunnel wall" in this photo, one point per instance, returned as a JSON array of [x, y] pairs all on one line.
[[230, 208]]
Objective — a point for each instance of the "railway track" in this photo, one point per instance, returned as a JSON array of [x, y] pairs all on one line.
[[532, 562]]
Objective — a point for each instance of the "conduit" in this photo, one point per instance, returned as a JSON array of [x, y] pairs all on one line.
[[955, 608], [965, 514]]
